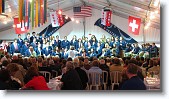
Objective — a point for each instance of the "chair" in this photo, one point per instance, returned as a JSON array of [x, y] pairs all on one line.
[[105, 79], [54, 73], [116, 77], [94, 80], [46, 74]]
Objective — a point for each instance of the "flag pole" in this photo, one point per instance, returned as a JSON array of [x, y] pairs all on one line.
[[84, 26]]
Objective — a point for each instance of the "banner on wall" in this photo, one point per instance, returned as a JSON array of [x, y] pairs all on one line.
[[49, 30], [106, 17], [115, 31]]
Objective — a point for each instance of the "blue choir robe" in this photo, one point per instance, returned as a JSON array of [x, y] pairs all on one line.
[[94, 45], [99, 51], [79, 45], [24, 49], [64, 55], [28, 53], [38, 51], [65, 44], [33, 45], [123, 44], [93, 54], [13, 49], [102, 45], [57, 43], [136, 50], [31, 38], [74, 43], [117, 51], [20, 42], [108, 52], [117, 43], [111, 44], [127, 49], [56, 54], [86, 45], [47, 52]]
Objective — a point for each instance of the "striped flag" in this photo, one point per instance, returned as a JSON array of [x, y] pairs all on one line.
[[84, 11]]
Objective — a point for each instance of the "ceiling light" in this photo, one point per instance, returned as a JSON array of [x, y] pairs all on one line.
[[156, 3], [14, 26], [77, 21], [72, 19], [9, 10], [30, 0], [5, 22], [66, 17]]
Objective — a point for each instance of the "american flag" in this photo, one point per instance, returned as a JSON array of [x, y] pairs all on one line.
[[84, 11]]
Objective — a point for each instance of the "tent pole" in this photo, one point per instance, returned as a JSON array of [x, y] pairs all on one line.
[[84, 25]]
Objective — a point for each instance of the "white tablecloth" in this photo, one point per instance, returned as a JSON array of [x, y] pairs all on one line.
[[152, 83], [54, 84]]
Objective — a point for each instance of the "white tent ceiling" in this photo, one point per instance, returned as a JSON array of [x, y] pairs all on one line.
[[122, 8]]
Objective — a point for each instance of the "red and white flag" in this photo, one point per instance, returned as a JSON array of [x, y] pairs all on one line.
[[106, 17], [21, 28], [54, 19], [134, 25]]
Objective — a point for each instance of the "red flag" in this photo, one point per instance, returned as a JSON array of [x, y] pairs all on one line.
[[20, 28], [106, 17], [134, 25]]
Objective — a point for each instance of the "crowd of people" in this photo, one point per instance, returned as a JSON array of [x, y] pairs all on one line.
[[23, 73], [22, 60], [36, 45]]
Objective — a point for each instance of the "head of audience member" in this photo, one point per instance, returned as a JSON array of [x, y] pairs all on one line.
[[150, 63], [69, 65], [12, 68], [14, 59], [5, 63], [86, 60], [117, 62], [44, 63], [51, 62], [20, 61], [76, 60], [76, 64], [102, 62], [4, 75], [69, 59], [95, 63], [134, 61], [132, 70], [32, 72]]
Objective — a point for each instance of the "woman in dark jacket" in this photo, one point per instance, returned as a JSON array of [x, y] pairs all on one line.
[[71, 79]]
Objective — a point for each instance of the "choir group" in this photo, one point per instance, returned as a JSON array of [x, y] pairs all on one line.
[[37, 45]]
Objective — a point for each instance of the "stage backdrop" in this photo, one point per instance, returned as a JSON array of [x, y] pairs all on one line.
[[72, 28]]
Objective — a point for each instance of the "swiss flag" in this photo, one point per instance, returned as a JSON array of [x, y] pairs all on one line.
[[134, 25], [20, 28]]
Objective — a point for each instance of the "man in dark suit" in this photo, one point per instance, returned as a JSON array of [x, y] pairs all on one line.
[[32, 37], [27, 38]]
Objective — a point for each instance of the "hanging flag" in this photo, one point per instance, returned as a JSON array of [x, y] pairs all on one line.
[[0, 6], [106, 17], [134, 25], [20, 10], [32, 13], [41, 12], [45, 11], [84, 11], [54, 19], [60, 18], [37, 13], [29, 12], [18, 28], [3, 6]]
